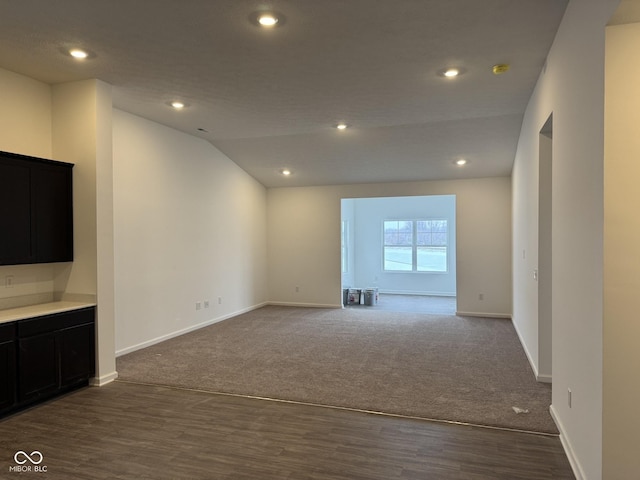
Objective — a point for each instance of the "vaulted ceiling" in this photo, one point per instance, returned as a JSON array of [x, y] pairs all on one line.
[[270, 98]]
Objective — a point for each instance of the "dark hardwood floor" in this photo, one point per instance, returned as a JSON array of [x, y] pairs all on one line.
[[131, 431]]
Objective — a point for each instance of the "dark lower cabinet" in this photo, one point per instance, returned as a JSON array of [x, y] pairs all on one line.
[[37, 371], [77, 354], [47, 355], [7, 367]]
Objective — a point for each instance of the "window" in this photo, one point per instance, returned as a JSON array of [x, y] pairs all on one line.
[[415, 245], [345, 246]]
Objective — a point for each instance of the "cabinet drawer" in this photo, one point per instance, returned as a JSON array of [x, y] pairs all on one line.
[[7, 332], [57, 321]]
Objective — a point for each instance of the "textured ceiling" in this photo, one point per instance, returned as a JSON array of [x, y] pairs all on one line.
[[269, 98]]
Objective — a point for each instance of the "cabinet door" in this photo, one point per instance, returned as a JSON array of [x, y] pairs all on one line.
[[77, 354], [52, 213], [37, 367], [15, 213], [7, 375]]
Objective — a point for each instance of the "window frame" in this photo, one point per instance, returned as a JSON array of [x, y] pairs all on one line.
[[414, 245], [344, 246]]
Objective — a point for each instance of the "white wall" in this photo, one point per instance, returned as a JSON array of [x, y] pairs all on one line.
[[621, 396], [190, 226], [369, 215], [571, 88], [304, 241], [25, 128], [25, 116]]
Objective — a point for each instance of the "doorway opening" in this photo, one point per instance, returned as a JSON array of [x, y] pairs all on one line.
[[545, 290], [399, 253]]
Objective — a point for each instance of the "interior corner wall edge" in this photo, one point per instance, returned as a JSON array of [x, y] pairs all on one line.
[[190, 228], [304, 239]]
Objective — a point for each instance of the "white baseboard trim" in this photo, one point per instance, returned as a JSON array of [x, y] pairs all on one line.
[[542, 378], [415, 292], [566, 445], [103, 380], [483, 314], [305, 305], [534, 367], [192, 328]]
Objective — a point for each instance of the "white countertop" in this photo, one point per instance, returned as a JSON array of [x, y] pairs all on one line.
[[13, 314]]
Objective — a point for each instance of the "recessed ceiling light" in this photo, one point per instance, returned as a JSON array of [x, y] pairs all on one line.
[[460, 162], [78, 53], [267, 19], [286, 172], [451, 72], [178, 105], [342, 126]]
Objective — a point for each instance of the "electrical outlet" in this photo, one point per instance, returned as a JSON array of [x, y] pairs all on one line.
[[8, 281], [206, 304], [198, 305], [481, 296], [297, 289], [219, 300]]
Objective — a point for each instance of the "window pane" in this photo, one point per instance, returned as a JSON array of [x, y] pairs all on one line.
[[398, 258], [432, 259], [398, 232], [405, 226], [439, 239], [424, 239], [405, 239]]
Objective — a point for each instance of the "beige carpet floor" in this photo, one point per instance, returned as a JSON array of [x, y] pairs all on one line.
[[470, 370]]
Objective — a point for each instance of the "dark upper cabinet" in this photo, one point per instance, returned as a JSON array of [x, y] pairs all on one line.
[[15, 213], [36, 210], [52, 214]]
